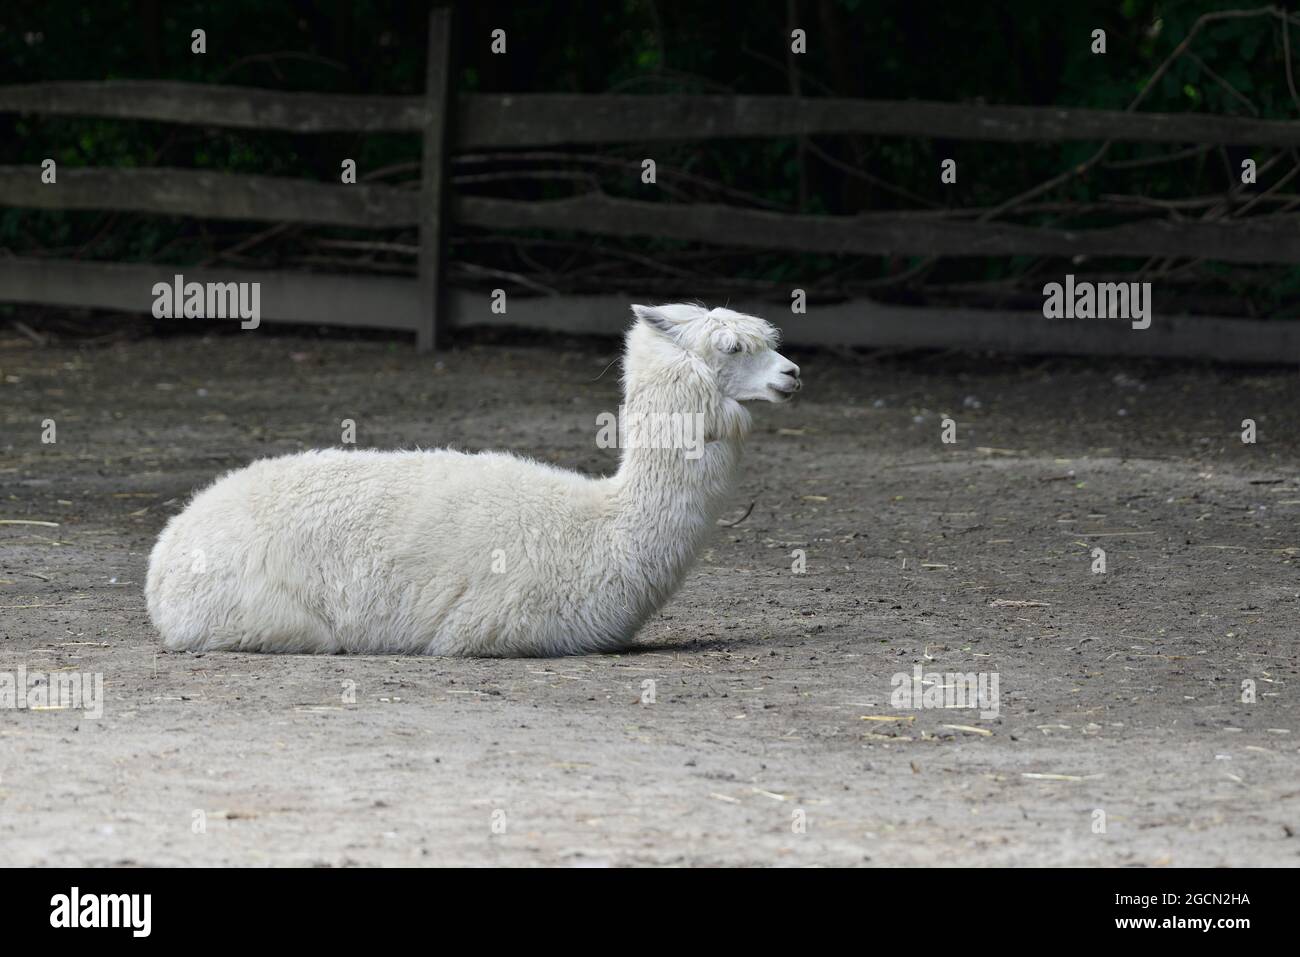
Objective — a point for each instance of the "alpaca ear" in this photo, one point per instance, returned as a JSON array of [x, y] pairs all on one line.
[[655, 318]]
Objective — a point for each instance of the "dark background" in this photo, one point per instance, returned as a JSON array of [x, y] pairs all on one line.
[[1022, 52]]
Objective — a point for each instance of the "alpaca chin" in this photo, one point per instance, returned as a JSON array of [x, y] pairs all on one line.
[[732, 422], [446, 553]]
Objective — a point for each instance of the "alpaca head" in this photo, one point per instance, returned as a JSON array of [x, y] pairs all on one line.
[[733, 351]]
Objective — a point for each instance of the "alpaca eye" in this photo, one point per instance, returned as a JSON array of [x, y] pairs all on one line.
[[733, 350]]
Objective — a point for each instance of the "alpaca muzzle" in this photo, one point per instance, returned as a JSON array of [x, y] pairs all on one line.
[[790, 384]]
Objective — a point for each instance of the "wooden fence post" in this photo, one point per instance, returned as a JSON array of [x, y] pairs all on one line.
[[432, 162]]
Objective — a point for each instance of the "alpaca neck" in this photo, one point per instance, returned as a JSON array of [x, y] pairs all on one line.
[[667, 499], [662, 497]]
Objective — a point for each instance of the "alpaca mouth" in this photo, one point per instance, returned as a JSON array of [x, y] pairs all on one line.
[[785, 394]]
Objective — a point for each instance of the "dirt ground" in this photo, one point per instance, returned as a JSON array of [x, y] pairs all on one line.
[[1121, 738]]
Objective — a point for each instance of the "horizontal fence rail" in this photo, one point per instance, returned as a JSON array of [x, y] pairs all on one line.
[[179, 192], [288, 296], [182, 192], [384, 303], [1277, 241], [546, 119], [552, 119], [241, 107]]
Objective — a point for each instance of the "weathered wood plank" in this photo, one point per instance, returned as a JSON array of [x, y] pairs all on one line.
[[1275, 239], [548, 119], [433, 193], [181, 192], [865, 323], [533, 119], [365, 302], [207, 105], [354, 301], [1272, 240]]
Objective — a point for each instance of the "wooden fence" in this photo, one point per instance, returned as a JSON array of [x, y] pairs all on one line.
[[451, 124]]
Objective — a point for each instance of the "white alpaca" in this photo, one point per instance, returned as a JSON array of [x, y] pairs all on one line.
[[445, 553]]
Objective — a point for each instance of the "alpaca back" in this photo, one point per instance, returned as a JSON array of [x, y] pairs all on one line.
[[369, 552]]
